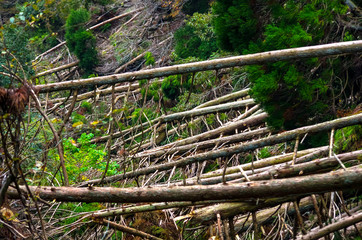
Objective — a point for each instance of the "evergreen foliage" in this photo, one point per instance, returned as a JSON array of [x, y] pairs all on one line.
[[293, 93], [171, 87], [196, 38], [80, 41], [234, 23]]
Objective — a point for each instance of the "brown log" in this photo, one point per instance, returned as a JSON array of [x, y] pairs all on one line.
[[126, 229], [318, 183], [258, 58], [342, 223]]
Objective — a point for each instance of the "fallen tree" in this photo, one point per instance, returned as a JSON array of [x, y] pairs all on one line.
[[229, 151], [318, 183], [342, 223], [258, 58]]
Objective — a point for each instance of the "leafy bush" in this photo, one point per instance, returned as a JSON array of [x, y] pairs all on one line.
[[196, 38], [83, 158], [80, 41], [153, 90], [348, 139], [171, 86], [234, 24], [293, 93], [150, 60]]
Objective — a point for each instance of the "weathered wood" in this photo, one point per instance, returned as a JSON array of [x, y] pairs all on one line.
[[258, 58], [342, 223], [116, 18], [226, 152], [204, 144], [318, 183], [102, 92], [126, 229], [244, 223], [225, 98], [57, 69], [154, 121], [244, 123], [260, 171], [266, 162], [148, 208], [306, 168], [206, 110], [226, 210]]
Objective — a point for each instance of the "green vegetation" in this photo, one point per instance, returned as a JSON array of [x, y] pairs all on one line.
[[293, 93], [15, 54], [80, 41], [196, 38], [83, 160], [235, 24]]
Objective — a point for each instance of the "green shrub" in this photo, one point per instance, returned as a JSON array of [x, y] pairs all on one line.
[[153, 90], [150, 60], [234, 24], [294, 93], [171, 86], [348, 139], [81, 42], [82, 158], [87, 106], [196, 38]]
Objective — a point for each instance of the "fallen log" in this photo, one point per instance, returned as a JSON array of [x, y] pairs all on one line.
[[266, 162], [57, 69], [258, 58], [205, 144], [226, 210], [318, 183], [126, 229], [342, 223], [243, 123], [229, 151], [206, 110]]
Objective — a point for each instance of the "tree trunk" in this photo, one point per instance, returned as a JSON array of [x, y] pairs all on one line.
[[258, 58], [318, 183], [226, 152]]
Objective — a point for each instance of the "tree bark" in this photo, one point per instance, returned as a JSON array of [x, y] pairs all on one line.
[[126, 229], [258, 58], [318, 183], [206, 110], [342, 223], [57, 69], [226, 152], [204, 144], [225, 98]]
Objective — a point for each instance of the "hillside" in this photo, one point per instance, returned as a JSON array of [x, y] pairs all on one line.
[[180, 119]]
